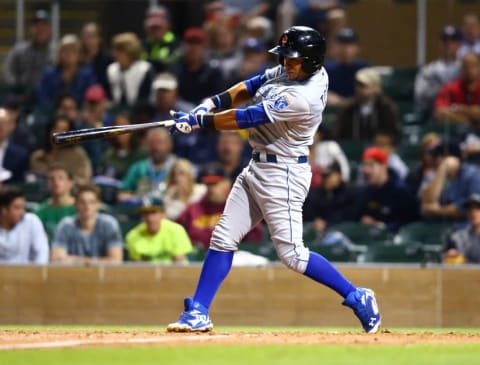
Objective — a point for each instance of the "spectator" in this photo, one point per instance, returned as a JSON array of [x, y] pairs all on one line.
[[157, 239], [94, 115], [61, 201], [385, 201], [434, 75], [254, 61], [129, 78], [67, 76], [423, 172], [463, 245], [222, 42], [459, 100], [369, 111], [148, 176], [197, 78], [325, 152], [230, 148], [161, 45], [443, 197], [73, 157], [182, 189], [165, 87], [23, 240], [336, 20], [66, 105], [260, 27], [22, 132], [470, 143], [124, 150], [167, 98], [331, 203], [387, 142], [200, 218], [343, 69], [26, 60], [89, 236], [93, 54], [13, 157], [471, 35]]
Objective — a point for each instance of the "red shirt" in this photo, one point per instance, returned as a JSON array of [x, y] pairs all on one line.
[[200, 218], [455, 93]]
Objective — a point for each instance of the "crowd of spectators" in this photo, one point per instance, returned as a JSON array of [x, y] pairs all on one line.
[[176, 185]]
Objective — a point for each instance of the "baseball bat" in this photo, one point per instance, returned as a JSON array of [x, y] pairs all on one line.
[[88, 134]]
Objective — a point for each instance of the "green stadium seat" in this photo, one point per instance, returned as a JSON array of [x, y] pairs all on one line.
[[362, 234], [197, 255], [429, 233], [336, 253], [353, 149], [399, 83], [387, 253]]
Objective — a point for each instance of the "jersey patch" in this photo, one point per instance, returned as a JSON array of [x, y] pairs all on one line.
[[280, 103]]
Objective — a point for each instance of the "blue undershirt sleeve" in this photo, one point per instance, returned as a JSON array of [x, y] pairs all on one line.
[[251, 116], [254, 83]]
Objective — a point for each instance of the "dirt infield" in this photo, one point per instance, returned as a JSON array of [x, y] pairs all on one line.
[[25, 339]]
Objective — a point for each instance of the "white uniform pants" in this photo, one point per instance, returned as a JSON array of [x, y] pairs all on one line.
[[274, 192]]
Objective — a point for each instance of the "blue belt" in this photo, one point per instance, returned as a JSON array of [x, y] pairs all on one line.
[[273, 158]]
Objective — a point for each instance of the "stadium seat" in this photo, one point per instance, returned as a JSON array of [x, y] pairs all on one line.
[[388, 253], [197, 255], [127, 215], [399, 83], [353, 149], [428, 233], [336, 253], [362, 234]]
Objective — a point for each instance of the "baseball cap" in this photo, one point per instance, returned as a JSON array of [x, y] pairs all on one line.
[[376, 154], [151, 204], [212, 173], [95, 93], [450, 32], [69, 40], [254, 44], [166, 81], [368, 76], [347, 35], [194, 35], [473, 199], [41, 15], [156, 16]]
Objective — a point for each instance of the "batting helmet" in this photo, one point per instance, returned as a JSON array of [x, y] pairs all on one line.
[[300, 41]]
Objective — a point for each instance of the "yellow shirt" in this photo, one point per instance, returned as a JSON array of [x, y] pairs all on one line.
[[170, 241]]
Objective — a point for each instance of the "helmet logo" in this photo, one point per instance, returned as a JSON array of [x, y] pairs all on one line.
[[284, 40]]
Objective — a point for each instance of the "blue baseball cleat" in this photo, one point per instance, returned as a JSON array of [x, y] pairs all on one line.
[[193, 319], [365, 307]]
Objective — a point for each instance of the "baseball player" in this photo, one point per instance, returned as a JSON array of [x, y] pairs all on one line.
[[288, 101]]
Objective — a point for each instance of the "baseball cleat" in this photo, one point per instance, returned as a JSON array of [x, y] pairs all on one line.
[[193, 319], [365, 307]]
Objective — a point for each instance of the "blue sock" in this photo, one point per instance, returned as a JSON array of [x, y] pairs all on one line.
[[215, 269], [322, 271]]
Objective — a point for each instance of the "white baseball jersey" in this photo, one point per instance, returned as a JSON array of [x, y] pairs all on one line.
[[294, 109], [275, 190]]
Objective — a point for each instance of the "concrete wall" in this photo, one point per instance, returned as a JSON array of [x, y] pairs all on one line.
[[149, 295]]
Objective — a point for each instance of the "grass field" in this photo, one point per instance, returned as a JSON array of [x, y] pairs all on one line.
[[245, 346]]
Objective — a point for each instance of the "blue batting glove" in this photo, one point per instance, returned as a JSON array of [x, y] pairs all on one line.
[[184, 122]]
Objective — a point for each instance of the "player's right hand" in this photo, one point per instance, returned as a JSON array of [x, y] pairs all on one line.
[[184, 122]]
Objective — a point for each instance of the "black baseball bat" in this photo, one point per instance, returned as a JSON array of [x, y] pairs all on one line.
[[88, 134]]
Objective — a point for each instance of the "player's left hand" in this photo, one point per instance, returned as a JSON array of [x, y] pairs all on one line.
[[184, 122]]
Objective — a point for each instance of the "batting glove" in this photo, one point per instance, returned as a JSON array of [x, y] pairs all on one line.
[[205, 107], [184, 122]]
